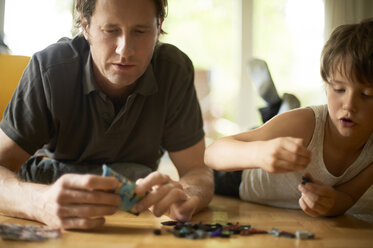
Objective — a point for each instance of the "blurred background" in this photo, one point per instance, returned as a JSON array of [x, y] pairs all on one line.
[[220, 37]]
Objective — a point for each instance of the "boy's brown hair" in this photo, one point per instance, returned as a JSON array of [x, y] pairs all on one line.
[[349, 45]]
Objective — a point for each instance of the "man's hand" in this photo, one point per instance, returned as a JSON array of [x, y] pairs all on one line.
[[317, 198], [165, 196], [78, 201], [285, 154]]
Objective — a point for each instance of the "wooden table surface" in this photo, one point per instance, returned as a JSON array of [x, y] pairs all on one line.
[[126, 230]]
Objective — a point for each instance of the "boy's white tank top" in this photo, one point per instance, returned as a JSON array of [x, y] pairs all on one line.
[[281, 190]]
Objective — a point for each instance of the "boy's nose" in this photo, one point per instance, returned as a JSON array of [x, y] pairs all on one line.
[[350, 103]]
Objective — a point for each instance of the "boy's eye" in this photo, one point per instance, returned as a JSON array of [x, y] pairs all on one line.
[[338, 90]]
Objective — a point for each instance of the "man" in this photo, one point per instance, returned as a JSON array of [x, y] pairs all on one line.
[[114, 96]]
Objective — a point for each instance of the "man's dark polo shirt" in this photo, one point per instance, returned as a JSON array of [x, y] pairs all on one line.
[[58, 111]]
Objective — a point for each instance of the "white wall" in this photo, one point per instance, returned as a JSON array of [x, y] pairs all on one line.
[[248, 116], [338, 12], [2, 9]]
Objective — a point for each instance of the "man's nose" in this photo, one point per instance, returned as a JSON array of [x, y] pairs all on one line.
[[125, 46]]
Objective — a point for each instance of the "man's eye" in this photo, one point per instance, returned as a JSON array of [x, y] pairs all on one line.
[[139, 31], [367, 93], [110, 31]]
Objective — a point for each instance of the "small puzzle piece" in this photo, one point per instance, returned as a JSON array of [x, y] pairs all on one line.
[[306, 180], [126, 191], [27, 232]]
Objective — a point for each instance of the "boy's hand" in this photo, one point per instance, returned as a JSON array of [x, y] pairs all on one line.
[[284, 154], [317, 199]]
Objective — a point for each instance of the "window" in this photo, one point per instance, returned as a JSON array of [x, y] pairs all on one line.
[[288, 34], [206, 31], [30, 26]]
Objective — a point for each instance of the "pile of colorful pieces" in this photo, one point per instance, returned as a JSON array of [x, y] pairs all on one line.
[[202, 231], [27, 233]]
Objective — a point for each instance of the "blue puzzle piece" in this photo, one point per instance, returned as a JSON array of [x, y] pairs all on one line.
[[126, 191]]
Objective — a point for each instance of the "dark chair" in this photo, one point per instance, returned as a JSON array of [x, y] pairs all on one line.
[[261, 78]]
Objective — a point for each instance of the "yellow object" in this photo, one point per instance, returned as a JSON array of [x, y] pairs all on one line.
[[11, 70]]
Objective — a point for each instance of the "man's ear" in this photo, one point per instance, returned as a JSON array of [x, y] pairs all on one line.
[[160, 25], [85, 27]]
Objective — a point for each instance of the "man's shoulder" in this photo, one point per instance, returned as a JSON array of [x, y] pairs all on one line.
[[64, 51], [166, 54]]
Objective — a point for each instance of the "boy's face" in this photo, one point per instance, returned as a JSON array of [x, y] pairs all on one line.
[[350, 106], [122, 36]]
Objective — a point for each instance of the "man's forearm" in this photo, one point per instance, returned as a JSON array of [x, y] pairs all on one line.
[[15, 195], [200, 183]]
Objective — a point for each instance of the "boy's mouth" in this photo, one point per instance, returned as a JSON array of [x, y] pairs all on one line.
[[347, 122]]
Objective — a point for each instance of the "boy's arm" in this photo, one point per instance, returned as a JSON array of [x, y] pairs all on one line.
[[278, 146], [321, 200]]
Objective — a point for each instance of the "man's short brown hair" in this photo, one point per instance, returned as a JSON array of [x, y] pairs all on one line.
[[349, 45], [85, 9]]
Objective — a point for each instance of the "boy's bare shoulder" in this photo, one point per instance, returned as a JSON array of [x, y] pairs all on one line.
[[298, 123], [304, 116]]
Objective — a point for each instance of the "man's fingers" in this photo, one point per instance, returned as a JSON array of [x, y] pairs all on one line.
[[184, 211], [156, 196], [88, 182], [146, 184], [81, 223], [69, 196], [85, 211], [174, 196]]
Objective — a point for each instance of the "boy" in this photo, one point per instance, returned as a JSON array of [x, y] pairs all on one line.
[[332, 143]]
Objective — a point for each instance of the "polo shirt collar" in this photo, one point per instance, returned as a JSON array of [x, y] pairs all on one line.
[[146, 84], [89, 82]]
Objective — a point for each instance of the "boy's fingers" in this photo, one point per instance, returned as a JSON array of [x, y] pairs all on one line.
[[321, 190], [295, 145], [313, 200], [306, 209]]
